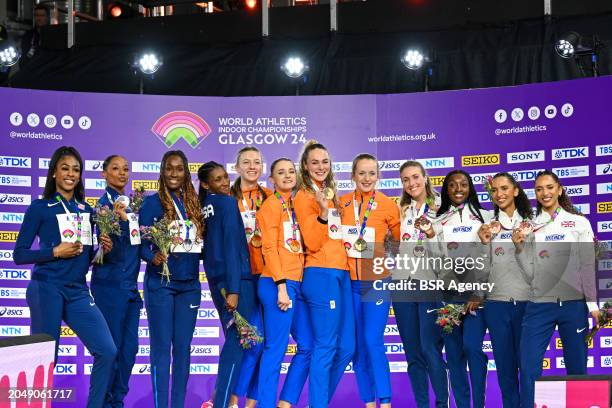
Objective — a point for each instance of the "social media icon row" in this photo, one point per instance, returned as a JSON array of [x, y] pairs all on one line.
[[50, 121], [534, 113]]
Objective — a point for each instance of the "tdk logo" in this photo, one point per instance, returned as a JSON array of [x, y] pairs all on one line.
[[394, 348], [483, 197], [462, 229], [570, 153], [525, 175], [16, 162], [207, 314], [65, 369], [15, 274], [555, 237]]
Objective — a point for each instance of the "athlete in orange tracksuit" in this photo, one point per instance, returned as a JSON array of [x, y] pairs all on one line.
[[250, 196], [280, 292], [368, 216], [326, 282]]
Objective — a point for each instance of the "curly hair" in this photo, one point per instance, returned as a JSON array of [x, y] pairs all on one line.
[[472, 198], [186, 192], [304, 180], [564, 201]]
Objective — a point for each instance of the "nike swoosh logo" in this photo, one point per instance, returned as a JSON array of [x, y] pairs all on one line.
[[379, 302], [52, 204], [580, 330], [92, 304], [194, 306], [431, 310]]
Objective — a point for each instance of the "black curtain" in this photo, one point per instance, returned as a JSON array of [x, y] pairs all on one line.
[[342, 63]]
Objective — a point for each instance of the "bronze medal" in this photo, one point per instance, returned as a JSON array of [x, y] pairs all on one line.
[[425, 224], [256, 240], [294, 245], [419, 251], [526, 228], [495, 227]]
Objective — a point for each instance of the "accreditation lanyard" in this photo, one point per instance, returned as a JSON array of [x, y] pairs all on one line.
[[290, 213], [420, 234], [255, 204], [552, 219], [451, 212], [187, 222], [357, 211], [77, 225]]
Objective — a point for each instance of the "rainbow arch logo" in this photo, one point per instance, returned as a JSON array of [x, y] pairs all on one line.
[[177, 125]]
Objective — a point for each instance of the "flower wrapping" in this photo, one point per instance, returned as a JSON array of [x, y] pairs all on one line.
[[247, 333], [107, 222], [163, 234]]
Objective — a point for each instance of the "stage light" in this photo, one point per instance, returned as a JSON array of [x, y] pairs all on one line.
[[148, 63], [580, 48], [413, 59], [572, 44], [120, 10], [251, 4], [9, 56], [294, 67]]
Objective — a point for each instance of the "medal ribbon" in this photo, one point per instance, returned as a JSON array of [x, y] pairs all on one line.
[[420, 234], [451, 212], [552, 219], [77, 226], [180, 215], [366, 215], [290, 213]]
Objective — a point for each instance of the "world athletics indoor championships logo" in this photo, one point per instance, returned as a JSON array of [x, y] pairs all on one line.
[[177, 125]]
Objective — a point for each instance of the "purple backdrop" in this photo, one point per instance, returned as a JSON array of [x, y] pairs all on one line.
[[561, 125]]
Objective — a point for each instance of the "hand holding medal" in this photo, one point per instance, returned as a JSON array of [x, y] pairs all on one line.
[[526, 227], [485, 234]]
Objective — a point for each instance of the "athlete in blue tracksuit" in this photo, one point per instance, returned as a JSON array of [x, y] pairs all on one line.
[[114, 283], [227, 267], [58, 291], [505, 305], [558, 257], [172, 307]]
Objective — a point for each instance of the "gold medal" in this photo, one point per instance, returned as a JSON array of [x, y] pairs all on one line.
[[256, 240], [294, 245], [328, 193], [360, 245]]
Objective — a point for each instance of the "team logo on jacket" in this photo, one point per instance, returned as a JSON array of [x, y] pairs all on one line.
[[173, 126], [544, 254], [568, 224], [462, 229], [499, 251], [347, 245], [333, 228], [406, 236], [554, 237], [452, 246]]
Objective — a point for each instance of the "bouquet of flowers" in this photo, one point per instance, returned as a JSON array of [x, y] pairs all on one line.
[[107, 222], [450, 316], [488, 185], [247, 333], [137, 198], [605, 317], [163, 234]]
